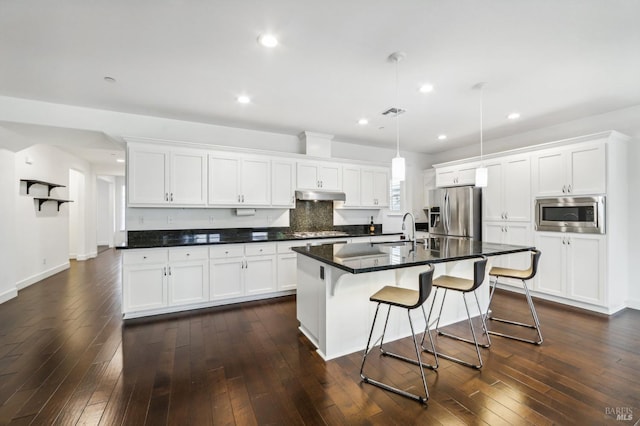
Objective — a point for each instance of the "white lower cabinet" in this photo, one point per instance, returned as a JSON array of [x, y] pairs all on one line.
[[572, 266], [239, 270], [154, 279]]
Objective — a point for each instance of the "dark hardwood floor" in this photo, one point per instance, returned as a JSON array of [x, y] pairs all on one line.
[[67, 358]]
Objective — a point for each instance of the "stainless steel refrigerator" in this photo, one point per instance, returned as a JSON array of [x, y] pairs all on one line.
[[456, 212]]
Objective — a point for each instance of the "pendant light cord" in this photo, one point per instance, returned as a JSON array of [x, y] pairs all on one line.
[[397, 111], [481, 109]]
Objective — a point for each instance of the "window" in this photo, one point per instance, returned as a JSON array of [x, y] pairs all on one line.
[[395, 196]]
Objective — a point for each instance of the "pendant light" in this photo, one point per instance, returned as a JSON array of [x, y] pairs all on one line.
[[482, 173], [397, 163]]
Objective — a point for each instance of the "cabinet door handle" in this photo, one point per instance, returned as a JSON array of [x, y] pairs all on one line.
[[506, 215], [166, 196], [144, 257], [568, 241], [569, 188], [564, 189], [165, 271], [172, 197], [243, 198], [188, 254], [169, 270]]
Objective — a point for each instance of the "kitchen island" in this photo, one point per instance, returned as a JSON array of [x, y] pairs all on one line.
[[335, 282]]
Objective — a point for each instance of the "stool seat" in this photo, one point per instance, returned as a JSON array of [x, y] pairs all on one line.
[[521, 274], [396, 296], [453, 283]]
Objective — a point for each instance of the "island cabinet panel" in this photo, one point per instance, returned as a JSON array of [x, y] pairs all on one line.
[[159, 176]]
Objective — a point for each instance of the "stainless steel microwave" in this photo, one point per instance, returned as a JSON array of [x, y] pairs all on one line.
[[571, 214]]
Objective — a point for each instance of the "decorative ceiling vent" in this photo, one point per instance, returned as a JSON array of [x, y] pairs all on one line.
[[393, 111]]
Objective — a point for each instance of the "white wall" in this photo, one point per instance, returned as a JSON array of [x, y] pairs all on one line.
[[105, 205], [8, 190], [120, 236], [634, 231], [42, 248]]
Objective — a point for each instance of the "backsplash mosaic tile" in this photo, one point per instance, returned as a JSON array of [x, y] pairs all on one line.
[[311, 216]]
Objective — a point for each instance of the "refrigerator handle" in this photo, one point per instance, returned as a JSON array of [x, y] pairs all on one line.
[[447, 213]]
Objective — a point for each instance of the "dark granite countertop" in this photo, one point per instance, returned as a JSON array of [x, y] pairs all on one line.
[[369, 257], [195, 237]]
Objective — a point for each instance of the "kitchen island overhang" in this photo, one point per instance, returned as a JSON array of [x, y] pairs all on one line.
[[335, 282]]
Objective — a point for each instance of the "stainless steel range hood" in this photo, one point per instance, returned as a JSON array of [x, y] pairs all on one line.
[[309, 195]]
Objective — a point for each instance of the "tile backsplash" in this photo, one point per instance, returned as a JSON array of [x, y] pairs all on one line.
[[311, 216]]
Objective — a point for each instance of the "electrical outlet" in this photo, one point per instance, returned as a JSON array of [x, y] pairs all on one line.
[[169, 219], [211, 220], [141, 220]]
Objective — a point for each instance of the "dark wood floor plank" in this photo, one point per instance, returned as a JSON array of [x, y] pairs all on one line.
[[66, 357]]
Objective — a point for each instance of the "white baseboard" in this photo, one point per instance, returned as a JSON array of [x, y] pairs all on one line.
[[8, 295], [633, 304], [40, 276], [90, 255]]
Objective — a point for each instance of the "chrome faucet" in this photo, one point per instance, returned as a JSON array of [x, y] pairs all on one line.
[[413, 221]]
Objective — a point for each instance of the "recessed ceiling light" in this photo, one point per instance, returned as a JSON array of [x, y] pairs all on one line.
[[442, 137], [120, 160], [513, 116], [268, 40], [426, 88], [243, 99], [109, 79], [363, 121]]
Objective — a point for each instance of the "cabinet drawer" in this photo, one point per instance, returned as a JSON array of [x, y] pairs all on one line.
[[188, 253], [227, 250], [137, 257], [260, 249]]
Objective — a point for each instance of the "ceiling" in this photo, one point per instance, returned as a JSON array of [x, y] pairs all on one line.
[[551, 61]]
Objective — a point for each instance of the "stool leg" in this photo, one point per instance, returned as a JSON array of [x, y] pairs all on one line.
[[534, 314], [418, 362], [366, 349], [473, 334], [484, 324], [404, 358]]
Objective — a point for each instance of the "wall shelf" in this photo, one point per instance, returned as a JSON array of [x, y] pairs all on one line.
[[44, 200], [49, 185]]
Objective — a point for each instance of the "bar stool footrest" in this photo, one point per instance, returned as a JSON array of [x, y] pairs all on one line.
[[521, 324], [521, 339], [451, 358], [409, 360], [384, 386], [462, 339]]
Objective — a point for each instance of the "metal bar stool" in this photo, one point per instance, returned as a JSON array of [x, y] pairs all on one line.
[[407, 299], [522, 275], [464, 286]]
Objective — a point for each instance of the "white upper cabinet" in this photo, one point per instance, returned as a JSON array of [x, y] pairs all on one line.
[[239, 181], [507, 196], [160, 176], [351, 186], [283, 183], [375, 187], [574, 170], [456, 175], [365, 187], [319, 175]]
